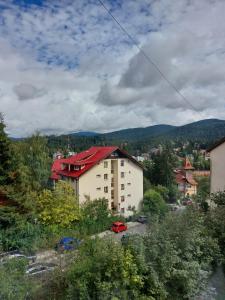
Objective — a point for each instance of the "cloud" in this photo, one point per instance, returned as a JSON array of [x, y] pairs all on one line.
[[27, 91], [66, 66]]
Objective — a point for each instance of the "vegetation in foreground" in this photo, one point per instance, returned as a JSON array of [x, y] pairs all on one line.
[[171, 262]]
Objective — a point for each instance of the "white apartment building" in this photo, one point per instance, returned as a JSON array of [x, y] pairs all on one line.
[[217, 167], [104, 172]]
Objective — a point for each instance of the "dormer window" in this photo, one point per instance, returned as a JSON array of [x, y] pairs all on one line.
[[74, 168]]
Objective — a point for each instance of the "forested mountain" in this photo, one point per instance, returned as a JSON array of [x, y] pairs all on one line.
[[205, 132], [210, 129], [133, 134]]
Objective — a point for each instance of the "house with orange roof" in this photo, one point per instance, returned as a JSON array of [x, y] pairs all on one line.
[[184, 178], [103, 172]]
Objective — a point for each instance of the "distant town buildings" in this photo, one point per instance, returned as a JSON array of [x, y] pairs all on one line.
[[57, 155], [217, 161], [103, 172]]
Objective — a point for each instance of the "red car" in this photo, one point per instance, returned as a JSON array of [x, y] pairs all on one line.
[[118, 227]]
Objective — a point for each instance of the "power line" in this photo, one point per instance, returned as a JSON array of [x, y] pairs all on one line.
[[148, 57]]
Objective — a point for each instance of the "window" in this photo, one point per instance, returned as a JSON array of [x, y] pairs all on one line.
[[98, 188], [112, 194], [122, 187], [112, 182], [122, 163], [129, 195], [112, 171], [122, 210], [98, 175], [105, 189], [128, 183], [105, 164], [122, 198], [105, 176], [122, 174]]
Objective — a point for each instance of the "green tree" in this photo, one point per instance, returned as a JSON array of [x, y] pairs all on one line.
[[13, 281], [5, 154], [154, 203], [104, 270], [179, 254], [95, 216], [59, 206], [33, 164], [160, 170]]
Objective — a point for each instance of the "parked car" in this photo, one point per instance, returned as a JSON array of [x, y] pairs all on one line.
[[67, 243], [125, 238], [173, 207], [118, 227], [142, 219], [39, 269], [15, 254], [187, 202]]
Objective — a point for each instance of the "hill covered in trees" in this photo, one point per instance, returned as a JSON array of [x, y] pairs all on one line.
[[203, 132]]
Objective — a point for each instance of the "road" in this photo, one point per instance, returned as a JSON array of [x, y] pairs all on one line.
[[51, 256]]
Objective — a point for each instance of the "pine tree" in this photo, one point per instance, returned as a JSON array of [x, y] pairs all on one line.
[[5, 157]]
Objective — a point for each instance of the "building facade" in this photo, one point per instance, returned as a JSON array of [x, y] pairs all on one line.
[[104, 172], [184, 178], [217, 167]]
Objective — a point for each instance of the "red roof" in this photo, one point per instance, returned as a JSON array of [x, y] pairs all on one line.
[[181, 178], [56, 166], [187, 164], [84, 160]]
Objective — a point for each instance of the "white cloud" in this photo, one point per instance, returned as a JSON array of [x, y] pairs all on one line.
[[82, 73]]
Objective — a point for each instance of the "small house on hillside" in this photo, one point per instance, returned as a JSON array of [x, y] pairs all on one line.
[[217, 166], [103, 172], [184, 178]]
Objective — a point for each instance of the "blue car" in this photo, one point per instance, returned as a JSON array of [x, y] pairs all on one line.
[[68, 243]]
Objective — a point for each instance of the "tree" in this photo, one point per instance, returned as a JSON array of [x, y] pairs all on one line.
[[179, 253], [153, 203], [95, 216], [160, 170], [59, 206], [33, 164], [104, 270], [13, 281], [5, 154]]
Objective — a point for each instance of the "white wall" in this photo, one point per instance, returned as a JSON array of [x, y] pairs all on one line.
[[217, 159], [133, 184]]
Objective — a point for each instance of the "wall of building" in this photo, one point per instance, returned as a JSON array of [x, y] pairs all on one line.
[[92, 183], [133, 186], [217, 160], [128, 174]]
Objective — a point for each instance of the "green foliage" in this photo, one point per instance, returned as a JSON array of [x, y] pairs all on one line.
[[32, 163], [59, 206], [96, 216], [104, 270], [172, 261], [160, 173], [154, 203], [22, 235], [178, 255], [216, 220], [13, 281], [5, 155], [146, 184], [218, 198], [203, 192]]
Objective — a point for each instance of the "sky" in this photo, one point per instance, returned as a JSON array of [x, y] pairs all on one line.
[[66, 66]]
